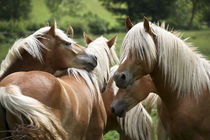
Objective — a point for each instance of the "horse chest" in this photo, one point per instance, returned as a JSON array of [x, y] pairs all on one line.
[[187, 121]]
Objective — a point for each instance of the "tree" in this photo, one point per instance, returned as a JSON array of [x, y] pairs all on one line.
[[136, 9], [199, 6], [14, 9]]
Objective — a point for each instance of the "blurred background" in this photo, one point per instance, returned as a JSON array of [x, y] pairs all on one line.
[[20, 18]]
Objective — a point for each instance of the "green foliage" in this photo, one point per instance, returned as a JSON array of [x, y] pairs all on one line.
[[12, 29], [185, 14], [40, 12], [136, 9], [64, 7], [53, 4], [206, 12], [78, 26], [112, 135], [97, 25], [14, 9], [31, 26], [181, 14]]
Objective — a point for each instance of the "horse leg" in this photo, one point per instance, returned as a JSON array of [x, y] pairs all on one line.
[[3, 123]]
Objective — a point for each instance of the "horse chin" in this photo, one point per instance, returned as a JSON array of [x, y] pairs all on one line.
[[89, 68], [123, 85], [86, 62], [122, 114]]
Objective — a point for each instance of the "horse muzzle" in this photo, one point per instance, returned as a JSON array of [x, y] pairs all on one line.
[[88, 62], [121, 79], [118, 108]]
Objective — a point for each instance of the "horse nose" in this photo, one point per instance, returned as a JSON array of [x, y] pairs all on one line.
[[91, 62], [94, 60], [117, 110], [120, 76], [121, 79], [95, 57]]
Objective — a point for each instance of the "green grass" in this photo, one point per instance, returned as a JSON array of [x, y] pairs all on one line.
[[200, 39]]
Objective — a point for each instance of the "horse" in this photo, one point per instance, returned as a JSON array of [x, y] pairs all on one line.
[[70, 34], [136, 124], [41, 100], [48, 49], [179, 72]]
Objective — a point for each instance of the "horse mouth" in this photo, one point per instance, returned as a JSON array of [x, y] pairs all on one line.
[[118, 108], [90, 66]]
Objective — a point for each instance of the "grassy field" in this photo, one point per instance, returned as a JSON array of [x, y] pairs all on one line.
[[201, 40]]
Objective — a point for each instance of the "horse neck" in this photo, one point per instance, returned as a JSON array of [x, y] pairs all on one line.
[[148, 84], [28, 63], [164, 91], [108, 97]]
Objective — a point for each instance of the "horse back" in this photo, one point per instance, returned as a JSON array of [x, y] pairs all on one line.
[[77, 105], [36, 84]]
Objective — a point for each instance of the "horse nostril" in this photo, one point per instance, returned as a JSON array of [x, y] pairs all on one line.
[[122, 77], [95, 57], [112, 110], [95, 64]]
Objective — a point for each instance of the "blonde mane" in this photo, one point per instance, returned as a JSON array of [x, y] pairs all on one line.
[[186, 70], [31, 45], [137, 124], [105, 58]]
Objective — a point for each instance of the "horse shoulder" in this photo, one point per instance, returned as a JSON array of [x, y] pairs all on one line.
[[80, 96], [190, 116]]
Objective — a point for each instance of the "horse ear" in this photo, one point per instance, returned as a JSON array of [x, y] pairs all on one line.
[[87, 38], [146, 25], [70, 32], [111, 42], [148, 29], [128, 24], [52, 29], [47, 24]]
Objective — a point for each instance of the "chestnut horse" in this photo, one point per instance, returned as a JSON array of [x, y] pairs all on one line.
[[45, 102], [136, 123], [180, 74], [48, 49]]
